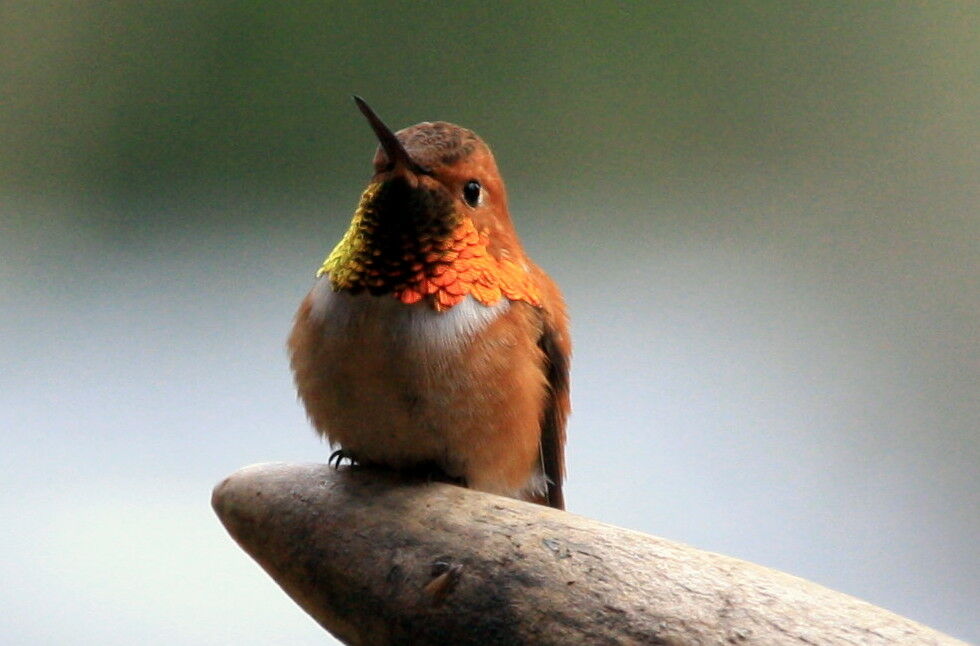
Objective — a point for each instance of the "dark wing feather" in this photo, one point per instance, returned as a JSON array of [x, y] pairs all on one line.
[[556, 347]]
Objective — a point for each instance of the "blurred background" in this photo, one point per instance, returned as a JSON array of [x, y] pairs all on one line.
[[764, 216]]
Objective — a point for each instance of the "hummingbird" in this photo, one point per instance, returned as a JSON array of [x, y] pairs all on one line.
[[429, 339]]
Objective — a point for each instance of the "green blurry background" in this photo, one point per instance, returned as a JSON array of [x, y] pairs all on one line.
[[763, 214]]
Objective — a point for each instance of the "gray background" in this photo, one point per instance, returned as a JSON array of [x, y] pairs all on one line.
[[763, 215]]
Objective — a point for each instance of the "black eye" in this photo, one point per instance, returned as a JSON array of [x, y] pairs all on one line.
[[471, 192]]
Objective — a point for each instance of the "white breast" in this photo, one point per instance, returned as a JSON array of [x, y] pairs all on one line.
[[386, 317]]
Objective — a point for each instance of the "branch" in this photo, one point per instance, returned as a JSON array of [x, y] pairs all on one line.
[[377, 558]]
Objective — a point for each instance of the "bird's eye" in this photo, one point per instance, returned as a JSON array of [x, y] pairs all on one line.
[[472, 192]]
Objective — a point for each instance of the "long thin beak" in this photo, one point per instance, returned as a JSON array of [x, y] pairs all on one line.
[[393, 148]]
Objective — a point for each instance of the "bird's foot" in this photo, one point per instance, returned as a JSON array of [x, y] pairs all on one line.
[[338, 456]]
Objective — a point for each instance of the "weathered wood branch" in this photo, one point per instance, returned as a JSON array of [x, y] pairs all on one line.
[[377, 558]]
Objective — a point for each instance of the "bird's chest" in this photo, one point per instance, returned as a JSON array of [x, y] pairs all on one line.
[[411, 337], [397, 381]]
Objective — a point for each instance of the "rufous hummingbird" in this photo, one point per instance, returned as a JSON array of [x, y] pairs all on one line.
[[430, 339]]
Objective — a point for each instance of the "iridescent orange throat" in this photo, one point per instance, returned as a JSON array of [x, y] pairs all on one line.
[[428, 252]]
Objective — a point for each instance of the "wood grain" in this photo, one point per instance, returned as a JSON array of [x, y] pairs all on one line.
[[379, 558]]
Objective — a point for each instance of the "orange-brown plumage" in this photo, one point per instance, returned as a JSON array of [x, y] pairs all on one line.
[[430, 338]]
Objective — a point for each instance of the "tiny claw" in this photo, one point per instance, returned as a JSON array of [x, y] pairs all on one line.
[[338, 456]]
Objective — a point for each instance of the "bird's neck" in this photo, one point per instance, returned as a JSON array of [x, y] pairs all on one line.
[[438, 258]]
